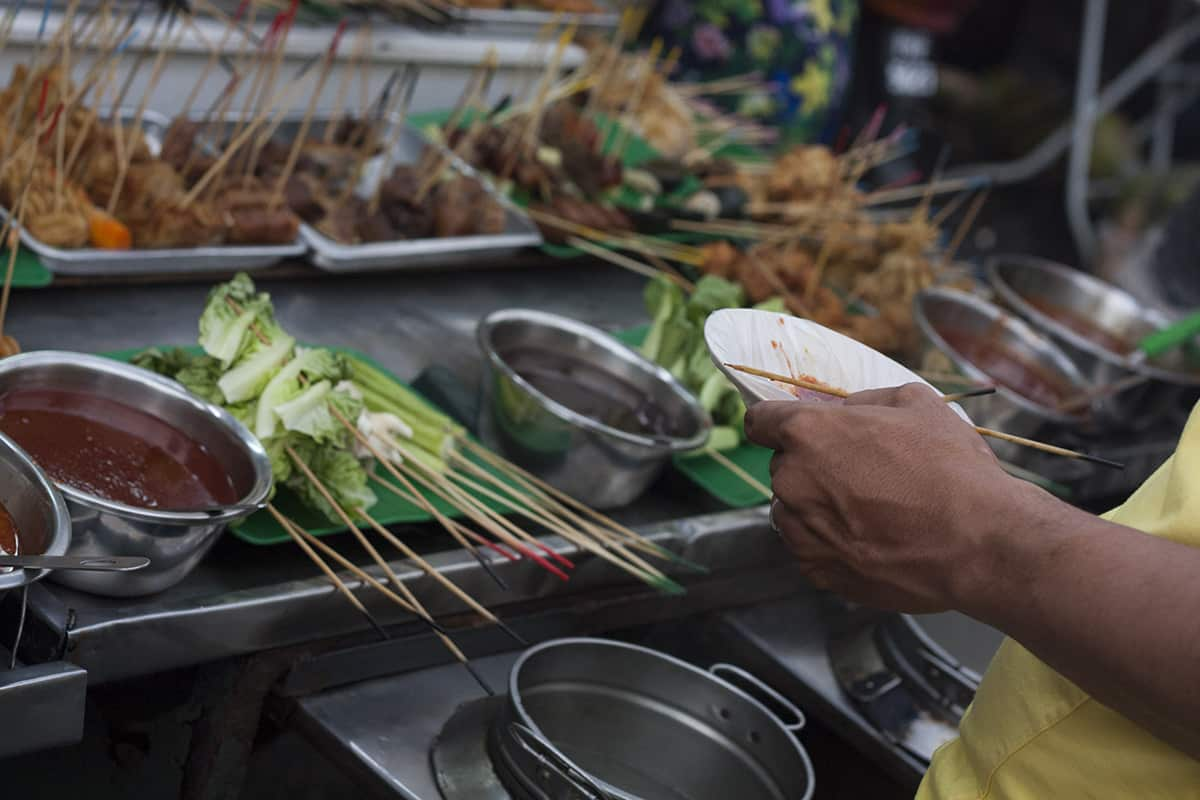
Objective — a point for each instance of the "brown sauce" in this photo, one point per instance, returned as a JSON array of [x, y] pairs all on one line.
[[8, 532], [114, 451], [592, 392], [1083, 326], [1011, 369]]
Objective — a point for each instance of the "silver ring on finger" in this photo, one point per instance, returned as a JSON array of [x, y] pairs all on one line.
[[771, 515]]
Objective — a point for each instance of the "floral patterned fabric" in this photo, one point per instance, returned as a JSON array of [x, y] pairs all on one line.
[[802, 48]]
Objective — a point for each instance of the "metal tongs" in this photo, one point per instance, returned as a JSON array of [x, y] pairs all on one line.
[[559, 776]]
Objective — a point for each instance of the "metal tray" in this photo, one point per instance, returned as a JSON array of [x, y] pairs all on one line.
[[95, 262], [412, 254], [527, 22]]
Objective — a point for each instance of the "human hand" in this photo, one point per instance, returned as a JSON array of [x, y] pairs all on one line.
[[890, 499]]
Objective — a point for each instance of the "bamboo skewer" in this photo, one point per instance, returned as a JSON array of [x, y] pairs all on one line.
[[234, 145], [633, 265], [629, 118], [434, 573], [552, 495], [341, 513], [139, 115], [561, 527], [339, 99], [427, 506], [746, 477], [480, 514], [401, 587], [286, 524], [416, 499], [988, 432], [963, 228], [1085, 399], [306, 122]]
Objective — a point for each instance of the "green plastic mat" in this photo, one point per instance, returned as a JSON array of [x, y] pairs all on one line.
[[28, 272], [262, 529], [709, 474]]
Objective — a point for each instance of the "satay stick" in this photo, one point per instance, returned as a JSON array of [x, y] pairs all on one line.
[[306, 122], [533, 126], [155, 75], [379, 560], [283, 95], [356, 57], [298, 538], [629, 118], [214, 56]]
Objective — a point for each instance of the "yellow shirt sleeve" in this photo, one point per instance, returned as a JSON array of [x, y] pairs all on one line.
[[1031, 734]]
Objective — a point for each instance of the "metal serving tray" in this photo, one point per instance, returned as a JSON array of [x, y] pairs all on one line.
[[95, 262], [528, 23], [451, 252]]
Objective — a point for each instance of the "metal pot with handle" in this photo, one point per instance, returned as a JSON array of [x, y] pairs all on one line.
[[602, 720]]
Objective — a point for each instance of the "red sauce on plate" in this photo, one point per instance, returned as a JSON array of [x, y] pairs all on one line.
[[813, 396], [1010, 369], [8, 532], [114, 451], [1083, 326]]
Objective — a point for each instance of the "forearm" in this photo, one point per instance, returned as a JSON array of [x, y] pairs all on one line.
[[1112, 609]]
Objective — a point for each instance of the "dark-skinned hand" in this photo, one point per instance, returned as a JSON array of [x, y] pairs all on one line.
[[890, 500]]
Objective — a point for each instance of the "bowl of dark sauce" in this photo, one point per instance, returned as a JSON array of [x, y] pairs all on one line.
[[579, 409], [1099, 327], [33, 515], [145, 467], [1034, 379]]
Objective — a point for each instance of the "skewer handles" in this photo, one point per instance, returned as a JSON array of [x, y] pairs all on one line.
[[813, 386]]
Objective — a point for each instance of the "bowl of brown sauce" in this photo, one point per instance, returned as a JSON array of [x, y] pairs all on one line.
[[145, 467], [33, 515], [1034, 379], [584, 412], [1099, 327]]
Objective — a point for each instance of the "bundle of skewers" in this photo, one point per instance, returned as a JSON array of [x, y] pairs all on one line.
[[78, 169], [339, 431]]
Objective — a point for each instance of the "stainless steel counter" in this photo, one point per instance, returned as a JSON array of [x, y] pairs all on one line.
[[246, 599]]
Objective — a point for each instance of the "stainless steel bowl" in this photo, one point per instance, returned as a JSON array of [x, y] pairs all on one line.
[[630, 723], [174, 541], [39, 511], [1018, 278], [939, 310], [597, 464]]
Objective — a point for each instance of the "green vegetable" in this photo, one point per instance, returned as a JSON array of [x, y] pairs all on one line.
[[664, 302], [722, 437], [433, 431], [314, 364], [341, 473], [714, 390], [774, 304], [254, 371], [309, 413], [200, 378], [713, 293], [165, 362]]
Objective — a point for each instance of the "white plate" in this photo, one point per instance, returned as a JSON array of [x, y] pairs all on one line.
[[799, 348]]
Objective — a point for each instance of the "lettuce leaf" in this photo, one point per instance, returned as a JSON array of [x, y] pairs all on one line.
[[342, 474], [308, 413], [251, 374]]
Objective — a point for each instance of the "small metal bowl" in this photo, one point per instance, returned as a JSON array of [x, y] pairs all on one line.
[[939, 310], [174, 541], [39, 511], [597, 464], [1018, 278]]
